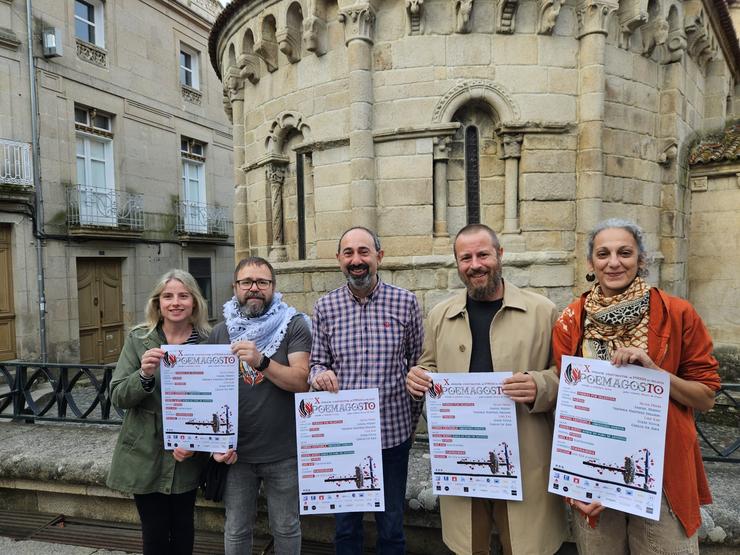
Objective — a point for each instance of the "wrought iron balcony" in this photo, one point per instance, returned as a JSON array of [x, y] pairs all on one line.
[[15, 163], [197, 218], [100, 207]]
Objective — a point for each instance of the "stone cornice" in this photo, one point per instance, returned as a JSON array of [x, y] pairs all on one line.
[[542, 127], [402, 133], [433, 261], [274, 159], [719, 13], [8, 39]]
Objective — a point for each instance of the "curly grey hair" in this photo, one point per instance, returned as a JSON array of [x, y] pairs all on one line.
[[628, 225]]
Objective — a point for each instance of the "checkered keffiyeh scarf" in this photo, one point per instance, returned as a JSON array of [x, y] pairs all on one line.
[[618, 321]]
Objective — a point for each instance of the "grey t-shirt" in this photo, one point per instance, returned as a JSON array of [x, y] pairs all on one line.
[[266, 412]]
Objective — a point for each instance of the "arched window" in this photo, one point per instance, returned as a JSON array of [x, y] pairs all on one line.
[[472, 174]]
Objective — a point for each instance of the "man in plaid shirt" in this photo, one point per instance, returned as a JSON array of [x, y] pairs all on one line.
[[368, 334]]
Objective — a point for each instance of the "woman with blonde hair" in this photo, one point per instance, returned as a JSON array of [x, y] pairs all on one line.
[[162, 482], [625, 321]]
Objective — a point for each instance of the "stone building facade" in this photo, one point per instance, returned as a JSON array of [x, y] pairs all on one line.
[[415, 117], [134, 171]]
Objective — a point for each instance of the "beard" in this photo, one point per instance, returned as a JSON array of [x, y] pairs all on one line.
[[359, 282], [254, 309], [486, 291]]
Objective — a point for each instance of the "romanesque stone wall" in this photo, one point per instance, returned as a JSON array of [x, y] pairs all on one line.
[[580, 110]]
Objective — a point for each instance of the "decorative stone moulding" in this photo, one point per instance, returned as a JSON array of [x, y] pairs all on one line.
[[669, 151], [191, 95], [359, 22], [415, 17], [700, 42], [464, 16], [548, 15], [488, 91], [631, 16], [512, 145], [91, 53], [506, 16], [289, 43], [249, 67], [654, 33], [279, 129], [314, 35]]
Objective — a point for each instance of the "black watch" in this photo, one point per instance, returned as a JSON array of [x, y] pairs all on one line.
[[264, 363]]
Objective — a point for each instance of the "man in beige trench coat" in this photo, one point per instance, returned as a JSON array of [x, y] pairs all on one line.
[[494, 326]]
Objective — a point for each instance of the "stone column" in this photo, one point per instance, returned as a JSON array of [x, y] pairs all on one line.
[[359, 20], [512, 143], [593, 20], [441, 158], [275, 175], [234, 84]]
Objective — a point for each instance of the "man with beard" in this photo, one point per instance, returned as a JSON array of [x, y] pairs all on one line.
[[368, 334], [495, 326], [272, 341]]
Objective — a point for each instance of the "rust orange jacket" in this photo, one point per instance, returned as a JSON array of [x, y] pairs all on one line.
[[679, 343]]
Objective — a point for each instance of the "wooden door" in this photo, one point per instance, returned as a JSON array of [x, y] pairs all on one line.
[[7, 314], [100, 302]]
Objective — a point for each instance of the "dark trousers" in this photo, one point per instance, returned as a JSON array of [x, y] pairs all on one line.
[[391, 540], [167, 522]]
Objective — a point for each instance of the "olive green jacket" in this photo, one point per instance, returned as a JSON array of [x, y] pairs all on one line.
[[140, 463]]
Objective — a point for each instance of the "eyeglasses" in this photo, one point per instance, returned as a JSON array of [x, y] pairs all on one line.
[[262, 284]]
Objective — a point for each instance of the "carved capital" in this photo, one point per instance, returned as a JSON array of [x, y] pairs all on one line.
[[442, 148], [548, 15], [359, 22], [506, 16], [415, 17], [314, 35], [233, 84], [289, 43], [593, 16], [275, 174], [464, 16], [512, 143], [249, 67]]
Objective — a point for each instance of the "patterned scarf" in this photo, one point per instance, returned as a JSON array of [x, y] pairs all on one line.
[[267, 331], [618, 321]]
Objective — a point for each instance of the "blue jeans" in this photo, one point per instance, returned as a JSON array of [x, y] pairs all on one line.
[[391, 541], [280, 488]]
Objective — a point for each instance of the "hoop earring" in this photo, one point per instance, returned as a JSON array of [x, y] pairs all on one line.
[[590, 277]]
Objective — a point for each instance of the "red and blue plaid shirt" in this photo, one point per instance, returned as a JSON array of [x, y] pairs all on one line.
[[372, 342]]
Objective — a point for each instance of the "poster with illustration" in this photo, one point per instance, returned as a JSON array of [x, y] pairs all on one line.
[[473, 441], [340, 465], [609, 438], [199, 397]]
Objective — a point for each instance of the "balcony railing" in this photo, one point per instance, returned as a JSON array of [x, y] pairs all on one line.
[[197, 218], [101, 207], [15, 163]]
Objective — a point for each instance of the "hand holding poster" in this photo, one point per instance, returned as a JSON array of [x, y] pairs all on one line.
[[473, 439], [199, 397], [609, 435], [340, 465]]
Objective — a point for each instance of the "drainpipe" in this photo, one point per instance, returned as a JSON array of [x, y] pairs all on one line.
[[38, 231]]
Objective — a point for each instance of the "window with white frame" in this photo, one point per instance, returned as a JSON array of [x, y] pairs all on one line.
[[89, 21], [189, 67], [95, 174], [194, 211]]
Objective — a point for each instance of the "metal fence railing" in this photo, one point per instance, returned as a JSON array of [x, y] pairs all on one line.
[[102, 207], [58, 392], [15, 163]]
